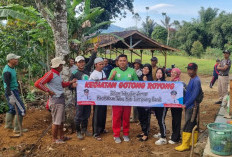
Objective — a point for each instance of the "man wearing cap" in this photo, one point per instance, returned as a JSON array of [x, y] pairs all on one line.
[[99, 111], [154, 62], [54, 88], [191, 106], [82, 111], [215, 74], [107, 67], [12, 94], [223, 78], [121, 114], [137, 66]]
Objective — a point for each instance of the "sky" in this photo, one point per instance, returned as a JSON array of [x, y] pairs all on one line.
[[176, 9]]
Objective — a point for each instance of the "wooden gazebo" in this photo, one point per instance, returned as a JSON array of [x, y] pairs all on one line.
[[133, 41]]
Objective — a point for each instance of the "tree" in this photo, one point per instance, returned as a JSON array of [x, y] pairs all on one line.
[[220, 30], [159, 34], [207, 15], [197, 49], [137, 18], [113, 9], [148, 26], [57, 19], [167, 25], [83, 28]]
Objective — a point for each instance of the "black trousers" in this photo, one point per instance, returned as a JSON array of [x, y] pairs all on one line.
[[191, 118], [160, 113], [82, 116], [176, 123], [99, 119], [144, 115], [214, 79]]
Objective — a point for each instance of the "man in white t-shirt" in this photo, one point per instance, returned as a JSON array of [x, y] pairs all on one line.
[[99, 114]]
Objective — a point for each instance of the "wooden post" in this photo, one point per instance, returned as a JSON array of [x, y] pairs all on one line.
[[110, 51], [230, 111], [105, 53], [141, 53], [165, 55], [131, 55], [152, 53]]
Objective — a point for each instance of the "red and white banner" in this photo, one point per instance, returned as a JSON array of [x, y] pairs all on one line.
[[130, 93]]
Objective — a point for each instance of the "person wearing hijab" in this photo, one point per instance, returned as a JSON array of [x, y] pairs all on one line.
[[144, 113], [176, 112], [160, 113]]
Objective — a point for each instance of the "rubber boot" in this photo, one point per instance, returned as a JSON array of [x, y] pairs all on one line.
[[16, 125], [185, 142], [195, 138], [9, 121]]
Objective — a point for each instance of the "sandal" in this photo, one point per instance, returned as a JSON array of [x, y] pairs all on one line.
[[98, 138], [142, 138], [65, 138], [59, 141]]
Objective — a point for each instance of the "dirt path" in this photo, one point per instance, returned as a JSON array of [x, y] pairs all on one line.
[[38, 120]]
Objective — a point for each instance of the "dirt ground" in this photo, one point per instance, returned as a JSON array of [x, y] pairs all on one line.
[[38, 120]]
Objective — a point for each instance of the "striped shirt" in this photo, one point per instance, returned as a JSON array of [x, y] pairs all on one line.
[[54, 83]]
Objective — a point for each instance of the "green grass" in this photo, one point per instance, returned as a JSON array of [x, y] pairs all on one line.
[[205, 65]]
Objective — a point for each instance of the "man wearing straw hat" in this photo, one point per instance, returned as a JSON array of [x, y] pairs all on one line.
[[12, 94], [54, 88]]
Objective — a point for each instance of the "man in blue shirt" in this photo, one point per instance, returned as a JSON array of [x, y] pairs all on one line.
[[107, 68], [191, 106]]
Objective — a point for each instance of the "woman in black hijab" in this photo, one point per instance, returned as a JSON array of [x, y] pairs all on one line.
[[145, 112]]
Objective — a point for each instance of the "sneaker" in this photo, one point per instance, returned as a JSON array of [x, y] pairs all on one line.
[[126, 138], [80, 136], [117, 140], [59, 141], [218, 102], [171, 142], [161, 141], [157, 135]]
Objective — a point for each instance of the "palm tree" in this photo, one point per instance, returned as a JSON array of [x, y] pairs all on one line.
[[148, 26], [137, 18], [167, 25]]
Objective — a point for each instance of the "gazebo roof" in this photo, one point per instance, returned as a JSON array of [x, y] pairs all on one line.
[[131, 40]]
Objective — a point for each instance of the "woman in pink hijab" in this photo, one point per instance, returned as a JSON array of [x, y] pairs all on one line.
[[175, 74], [176, 112]]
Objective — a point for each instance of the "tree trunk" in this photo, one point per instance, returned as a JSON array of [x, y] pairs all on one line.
[[60, 29], [58, 22]]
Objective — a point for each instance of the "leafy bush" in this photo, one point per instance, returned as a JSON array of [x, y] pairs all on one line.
[[197, 49], [213, 53], [3, 104]]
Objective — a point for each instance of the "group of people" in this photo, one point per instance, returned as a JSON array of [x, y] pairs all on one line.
[[53, 84]]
